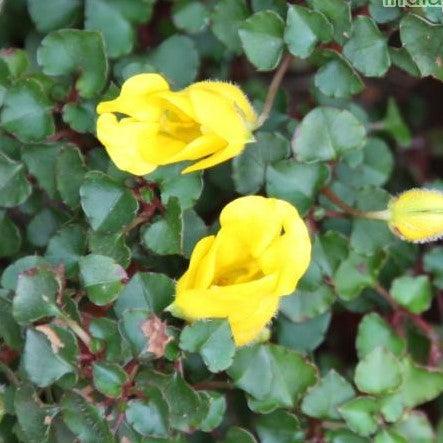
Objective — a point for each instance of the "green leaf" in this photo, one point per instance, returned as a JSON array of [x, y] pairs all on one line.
[[49, 15], [102, 278], [338, 12], [187, 408], [187, 188], [213, 340], [43, 226], [27, 112], [261, 36], [163, 236], [105, 331], [40, 161], [66, 247], [374, 170], [17, 61], [295, 182], [395, 125], [34, 418], [131, 327], [303, 336], [413, 293], [190, 16], [327, 133], [216, 412], [374, 332], [109, 378], [370, 236], [330, 249], [279, 427], [12, 272], [10, 238], [336, 77], [35, 296], [359, 415], [111, 245], [433, 263], [227, 17], [149, 418], [10, 331], [70, 171], [115, 20], [153, 292], [323, 399], [239, 435], [304, 29], [108, 205], [423, 40], [168, 59], [388, 436], [44, 361], [14, 186], [305, 305], [402, 59], [80, 116], [378, 372], [367, 48], [75, 52], [85, 419], [249, 168], [415, 427], [355, 274], [284, 375]]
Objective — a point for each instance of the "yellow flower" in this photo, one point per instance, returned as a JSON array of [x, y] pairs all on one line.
[[208, 121], [259, 254], [417, 215]]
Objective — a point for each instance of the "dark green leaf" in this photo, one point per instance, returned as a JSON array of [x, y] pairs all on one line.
[[414, 293], [359, 415], [49, 15], [10, 238], [109, 378], [279, 427]]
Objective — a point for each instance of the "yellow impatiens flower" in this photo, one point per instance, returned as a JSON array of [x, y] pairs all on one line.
[[417, 215], [259, 254], [149, 125]]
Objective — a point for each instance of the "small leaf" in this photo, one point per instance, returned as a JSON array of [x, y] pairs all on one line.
[[379, 372], [49, 15], [35, 296], [74, 51], [112, 245], [190, 16], [10, 238], [227, 17], [327, 133], [12, 272], [27, 112], [367, 48], [166, 58], [413, 293], [323, 399], [70, 171], [304, 29], [216, 412], [102, 278], [153, 292], [107, 204], [109, 378], [295, 182], [213, 340], [284, 375], [359, 415], [279, 426], [395, 125], [239, 435], [42, 363], [261, 36], [374, 332]]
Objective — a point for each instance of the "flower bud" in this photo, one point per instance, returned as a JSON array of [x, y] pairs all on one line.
[[417, 215]]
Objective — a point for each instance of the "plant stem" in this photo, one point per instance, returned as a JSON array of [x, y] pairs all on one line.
[[209, 385], [435, 354], [273, 89], [373, 215], [78, 331], [9, 374]]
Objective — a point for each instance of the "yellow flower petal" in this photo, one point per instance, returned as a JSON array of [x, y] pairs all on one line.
[[417, 215], [124, 140], [136, 97], [234, 94], [160, 148], [204, 145]]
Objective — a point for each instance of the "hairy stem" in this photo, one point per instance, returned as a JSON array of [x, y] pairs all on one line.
[[373, 215], [273, 89]]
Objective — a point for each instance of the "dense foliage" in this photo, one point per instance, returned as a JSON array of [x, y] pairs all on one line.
[[90, 254]]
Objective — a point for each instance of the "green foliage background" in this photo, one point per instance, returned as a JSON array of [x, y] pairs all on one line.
[[89, 254]]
